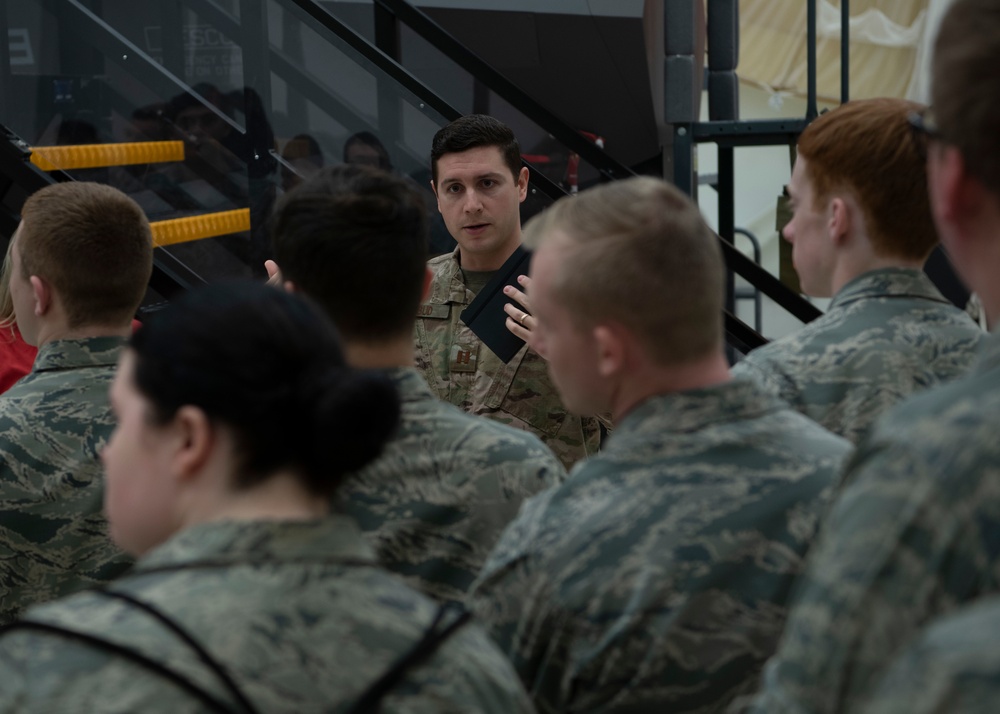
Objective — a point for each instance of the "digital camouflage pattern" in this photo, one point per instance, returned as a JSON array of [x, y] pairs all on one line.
[[463, 371], [297, 612], [435, 502], [912, 536], [656, 577], [887, 334], [953, 666], [53, 424]]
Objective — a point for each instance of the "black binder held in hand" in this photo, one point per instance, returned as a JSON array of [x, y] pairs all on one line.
[[485, 315]]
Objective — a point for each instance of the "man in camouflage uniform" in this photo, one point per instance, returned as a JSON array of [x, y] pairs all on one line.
[[307, 599], [914, 534], [953, 666], [861, 231], [434, 504], [82, 257], [655, 578], [479, 183]]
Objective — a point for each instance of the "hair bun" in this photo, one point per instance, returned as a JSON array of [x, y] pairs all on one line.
[[354, 414]]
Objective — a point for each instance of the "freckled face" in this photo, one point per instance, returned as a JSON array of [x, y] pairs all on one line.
[[812, 246], [569, 349], [480, 199]]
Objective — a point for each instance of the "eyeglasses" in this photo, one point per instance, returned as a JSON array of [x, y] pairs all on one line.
[[923, 128]]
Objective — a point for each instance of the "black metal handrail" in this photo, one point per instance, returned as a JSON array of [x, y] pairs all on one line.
[[445, 42], [421, 91]]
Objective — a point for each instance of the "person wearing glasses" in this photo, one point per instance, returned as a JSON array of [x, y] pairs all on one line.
[[861, 231], [238, 418], [915, 534]]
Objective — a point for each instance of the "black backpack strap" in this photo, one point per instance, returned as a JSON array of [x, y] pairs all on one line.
[[433, 638], [213, 664], [134, 656]]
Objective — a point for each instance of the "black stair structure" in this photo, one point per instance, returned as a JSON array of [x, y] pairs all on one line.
[[253, 95]]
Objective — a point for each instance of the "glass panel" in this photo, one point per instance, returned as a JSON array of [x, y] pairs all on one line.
[[247, 125]]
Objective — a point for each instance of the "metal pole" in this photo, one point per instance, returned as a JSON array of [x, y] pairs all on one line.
[[811, 111], [845, 51], [390, 112]]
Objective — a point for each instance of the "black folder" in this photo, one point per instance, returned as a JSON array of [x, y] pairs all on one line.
[[485, 316]]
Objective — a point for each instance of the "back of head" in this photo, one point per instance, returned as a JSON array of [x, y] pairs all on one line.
[[866, 147], [354, 239], [472, 132], [966, 86], [377, 156], [641, 255], [93, 245], [267, 365]]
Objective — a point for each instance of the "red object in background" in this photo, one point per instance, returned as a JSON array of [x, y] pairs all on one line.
[[16, 357], [573, 162]]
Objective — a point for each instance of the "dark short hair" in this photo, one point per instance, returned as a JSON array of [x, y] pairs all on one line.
[[966, 86], [267, 365], [471, 132], [93, 244], [354, 239]]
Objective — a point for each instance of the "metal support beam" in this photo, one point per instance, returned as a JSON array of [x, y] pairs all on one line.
[[812, 110], [845, 51]]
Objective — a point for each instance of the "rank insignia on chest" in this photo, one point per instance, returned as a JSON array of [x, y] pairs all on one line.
[[463, 358]]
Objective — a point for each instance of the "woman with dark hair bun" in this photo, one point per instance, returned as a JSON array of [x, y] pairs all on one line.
[[237, 420]]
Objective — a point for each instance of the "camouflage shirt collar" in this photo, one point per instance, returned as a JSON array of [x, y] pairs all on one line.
[[739, 399], [448, 285], [85, 352], [411, 385], [989, 354], [888, 282], [334, 538]]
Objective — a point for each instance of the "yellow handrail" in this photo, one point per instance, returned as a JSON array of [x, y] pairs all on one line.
[[207, 225], [90, 156]]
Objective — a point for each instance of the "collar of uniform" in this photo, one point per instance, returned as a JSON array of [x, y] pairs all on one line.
[[332, 538], [447, 285], [888, 282], [989, 354], [85, 352], [412, 387], [683, 412]]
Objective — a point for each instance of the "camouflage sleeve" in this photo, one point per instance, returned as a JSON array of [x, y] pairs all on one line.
[[514, 600], [954, 667], [767, 374], [276, 666], [897, 547], [433, 515], [47, 673], [53, 534]]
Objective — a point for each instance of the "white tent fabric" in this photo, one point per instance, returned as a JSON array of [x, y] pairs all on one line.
[[890, 46]]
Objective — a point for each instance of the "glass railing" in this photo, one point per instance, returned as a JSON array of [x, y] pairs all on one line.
[[205, 111]]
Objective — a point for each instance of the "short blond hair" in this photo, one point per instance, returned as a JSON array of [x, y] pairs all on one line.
[[640, 254]]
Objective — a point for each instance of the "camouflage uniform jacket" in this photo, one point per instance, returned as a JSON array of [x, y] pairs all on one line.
[[53, 424], [436, 501], [656, 577], [297, 612], [887, 334], [954, 667], [461, 370], [914, 534]]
